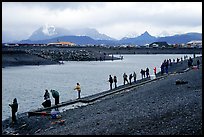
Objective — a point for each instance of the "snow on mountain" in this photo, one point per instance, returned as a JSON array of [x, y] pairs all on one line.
[[50, 31]]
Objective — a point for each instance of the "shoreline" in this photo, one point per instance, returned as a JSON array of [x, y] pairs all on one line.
[[18, 56], [149, 105]]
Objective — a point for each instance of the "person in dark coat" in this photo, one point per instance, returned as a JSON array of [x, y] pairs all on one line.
[[134, 76], [55, 95], [47, 102], [125, 78], [130, 78], [115, 81], [162, 68], [198, 63], [14, 109], [111, 82], [147, 72]]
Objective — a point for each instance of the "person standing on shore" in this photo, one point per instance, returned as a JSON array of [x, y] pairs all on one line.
[[47, 102], [134, 76], [147, 72], [141, 73], [191, 61], [14, 109], [125, 78], [198, 63], [166, 67], [111, 82], [155, 71], [55, 95], [115, 81], [78, 88], [130, 78], [162, 68]]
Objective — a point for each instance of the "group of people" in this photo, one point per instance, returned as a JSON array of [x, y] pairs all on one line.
[[165, 66], [143, 72], [47, 102], [190, 62], [125, 78], [55, 94], [111, 80]]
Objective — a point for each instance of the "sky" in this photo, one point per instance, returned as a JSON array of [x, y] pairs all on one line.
[[115, 19]]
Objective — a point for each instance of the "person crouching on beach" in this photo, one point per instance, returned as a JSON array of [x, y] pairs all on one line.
[[47, 102], [14, 109], [78, 88]]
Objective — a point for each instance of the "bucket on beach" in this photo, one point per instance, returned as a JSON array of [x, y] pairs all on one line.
[[55, 114]]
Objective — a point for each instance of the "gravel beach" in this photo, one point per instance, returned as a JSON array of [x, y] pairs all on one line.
[[160, 107]]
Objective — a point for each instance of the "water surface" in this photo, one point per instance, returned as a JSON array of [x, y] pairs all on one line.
[[27, 83]]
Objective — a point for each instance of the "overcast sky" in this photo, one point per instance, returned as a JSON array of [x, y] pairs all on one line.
[[115, 19]]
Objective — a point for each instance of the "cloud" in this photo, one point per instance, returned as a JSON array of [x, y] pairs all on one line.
[[114, 19]]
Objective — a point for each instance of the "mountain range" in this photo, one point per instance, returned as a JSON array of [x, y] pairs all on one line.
[[48, 34], [50, 31]]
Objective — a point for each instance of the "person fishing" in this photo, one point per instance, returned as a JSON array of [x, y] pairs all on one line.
[[111, 82], [135, 76], [78, 88], [55, 95], [125, 78], [155, 71], [14, 109], [115, 81]]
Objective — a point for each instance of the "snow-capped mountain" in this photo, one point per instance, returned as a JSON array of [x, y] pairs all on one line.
[[143, 39], [50, 31]]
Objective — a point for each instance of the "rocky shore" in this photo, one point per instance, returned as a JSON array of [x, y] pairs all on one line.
[[16, 56], [35, 55], [159, 107]]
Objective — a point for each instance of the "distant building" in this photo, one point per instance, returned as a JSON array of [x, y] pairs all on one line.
[[159, 45], [194, 44], [11, 44], [62, 44]]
